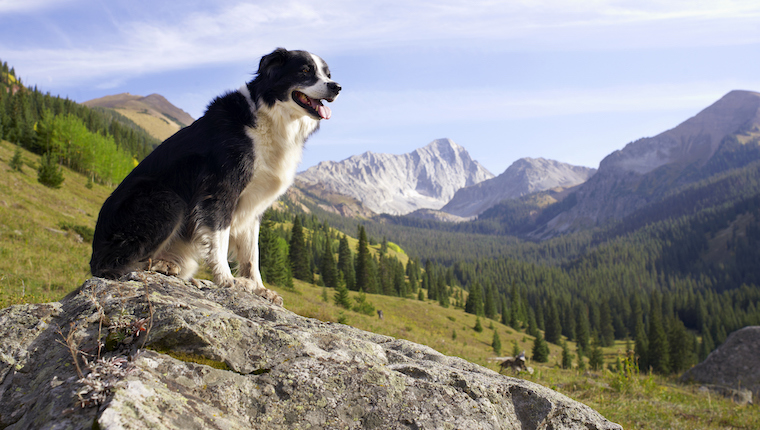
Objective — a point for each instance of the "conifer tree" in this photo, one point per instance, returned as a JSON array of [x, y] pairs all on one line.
[[607, 331], [489, 307], [514, 307], [16, 162], [49, 173], [582, 331], [496, 342], [596, 358], [474, 304], [532, 326], [346, 263], [658, 352], [553, 330], [540, 349], [299, 261], [363, 261], [328, 270], [273, 260], [567, 356], [504, 311], [478, 326], [341, 297]]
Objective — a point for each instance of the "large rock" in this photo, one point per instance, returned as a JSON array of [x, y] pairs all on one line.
[[224, 359], [733, 368]]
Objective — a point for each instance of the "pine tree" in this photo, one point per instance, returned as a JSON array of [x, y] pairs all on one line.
[[553, 330], [490, 303], [504, 311], [474, 304], [341, 297], [567, 357], [363, 261], [273, 260], [49, 173], [596, 358], [658, 354], [346, 263], [328, 270], [606, 328], [582, 331], [16, 162], [540, 349], [532, 325], [514, 307], [299, 261], [496, 343], [641, 346], [478, 326]]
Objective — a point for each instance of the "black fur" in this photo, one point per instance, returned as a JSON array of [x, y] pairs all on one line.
[[195, 178]]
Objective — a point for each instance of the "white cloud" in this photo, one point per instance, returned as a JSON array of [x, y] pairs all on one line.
[[233, 31]]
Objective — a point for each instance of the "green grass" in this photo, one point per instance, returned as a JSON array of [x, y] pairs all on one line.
[[41, 260], [638, 402]]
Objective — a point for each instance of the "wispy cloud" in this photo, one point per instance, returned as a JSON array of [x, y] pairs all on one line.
[[226, 32]]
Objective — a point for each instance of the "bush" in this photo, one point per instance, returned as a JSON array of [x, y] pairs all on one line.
[[49, 173], [16, 162]]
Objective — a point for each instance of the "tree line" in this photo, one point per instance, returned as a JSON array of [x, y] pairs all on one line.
[[97, 142]]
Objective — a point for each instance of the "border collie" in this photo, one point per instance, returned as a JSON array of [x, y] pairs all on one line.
[[202, 192]]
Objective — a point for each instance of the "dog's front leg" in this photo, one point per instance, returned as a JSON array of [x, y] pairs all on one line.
[[246, 243]]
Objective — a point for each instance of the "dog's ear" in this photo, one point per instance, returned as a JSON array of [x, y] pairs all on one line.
[[271, 62]]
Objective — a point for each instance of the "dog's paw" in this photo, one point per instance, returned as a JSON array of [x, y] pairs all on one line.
[[257, 288], [164, 267]]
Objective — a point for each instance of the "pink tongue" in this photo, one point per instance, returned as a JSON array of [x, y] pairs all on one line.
[[324, 111]]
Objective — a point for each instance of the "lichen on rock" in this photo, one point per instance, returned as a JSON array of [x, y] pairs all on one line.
[[219, 358]]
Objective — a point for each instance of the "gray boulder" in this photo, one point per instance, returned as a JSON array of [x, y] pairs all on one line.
[[733, 369], [177, 355]]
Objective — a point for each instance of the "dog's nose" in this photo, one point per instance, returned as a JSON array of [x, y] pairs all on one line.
[[334, 87]]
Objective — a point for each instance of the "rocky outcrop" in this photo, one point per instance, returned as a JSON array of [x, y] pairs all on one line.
[[524, 176], [426, 178], [733, 369], [177, 355]]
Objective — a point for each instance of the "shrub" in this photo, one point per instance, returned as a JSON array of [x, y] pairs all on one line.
[[16, 162], [49, 173]]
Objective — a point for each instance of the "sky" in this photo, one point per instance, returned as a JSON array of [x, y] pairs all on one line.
[[566, 80]]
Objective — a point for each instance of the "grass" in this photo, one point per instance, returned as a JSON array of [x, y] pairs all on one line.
[[41, 260]]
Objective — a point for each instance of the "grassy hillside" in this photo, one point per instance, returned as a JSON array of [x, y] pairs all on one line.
[[41, 256], [42, 261], [635, 402]]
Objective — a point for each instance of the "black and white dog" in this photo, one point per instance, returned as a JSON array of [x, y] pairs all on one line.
[[202, 192]]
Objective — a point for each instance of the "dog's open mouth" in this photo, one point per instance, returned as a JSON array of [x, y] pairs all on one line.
[[311, 105]]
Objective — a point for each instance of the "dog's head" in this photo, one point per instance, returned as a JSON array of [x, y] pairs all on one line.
[[299, 80]]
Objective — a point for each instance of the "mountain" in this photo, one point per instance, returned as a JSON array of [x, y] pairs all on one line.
[[398, 184], [153, 113], [524, 176], [647, 170]]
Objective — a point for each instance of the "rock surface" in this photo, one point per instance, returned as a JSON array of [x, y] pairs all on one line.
[[223, 359], [733, 368], [524, 176], [426, 178]]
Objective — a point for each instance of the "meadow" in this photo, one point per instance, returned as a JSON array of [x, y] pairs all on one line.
[[44, 255]]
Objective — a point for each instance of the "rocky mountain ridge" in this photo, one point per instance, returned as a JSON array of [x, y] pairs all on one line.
[[183, 355], [524, 176], [642, 171], [398, 184]]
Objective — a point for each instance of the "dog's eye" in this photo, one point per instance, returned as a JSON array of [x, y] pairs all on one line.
[[306, 69]]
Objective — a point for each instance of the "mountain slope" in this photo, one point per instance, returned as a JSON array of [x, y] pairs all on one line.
[[153, 113], [524, 176], [650, 168], [397, 184]]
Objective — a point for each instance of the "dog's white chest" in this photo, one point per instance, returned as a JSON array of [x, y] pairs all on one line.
[[277, 153]]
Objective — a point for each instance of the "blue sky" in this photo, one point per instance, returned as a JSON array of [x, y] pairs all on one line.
[[559, 79]]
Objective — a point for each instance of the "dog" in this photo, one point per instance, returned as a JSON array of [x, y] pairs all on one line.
[[202, 192]]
